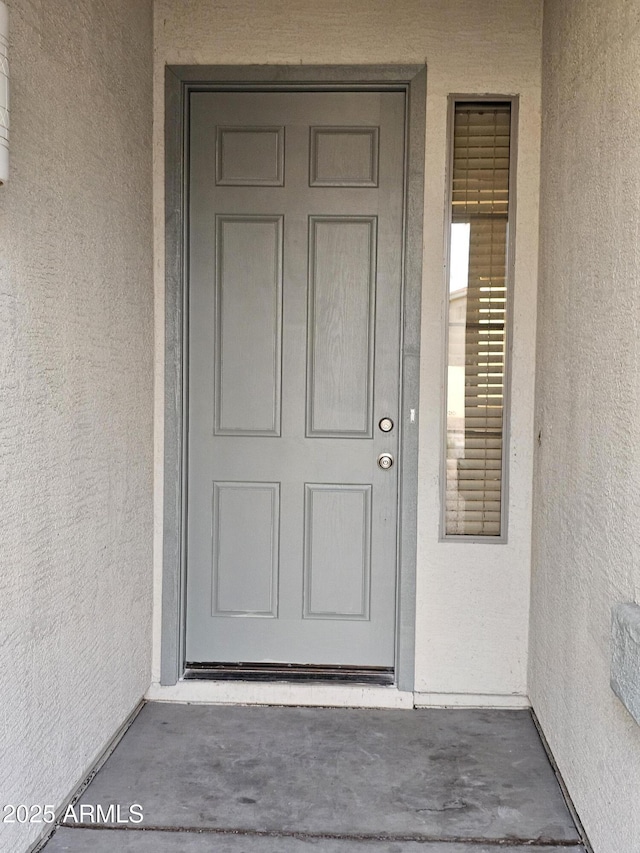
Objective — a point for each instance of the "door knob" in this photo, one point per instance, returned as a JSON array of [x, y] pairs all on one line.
[[385, 460]]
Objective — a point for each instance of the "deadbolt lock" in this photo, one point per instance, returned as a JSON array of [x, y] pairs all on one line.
[[386, 424], [385, 460]]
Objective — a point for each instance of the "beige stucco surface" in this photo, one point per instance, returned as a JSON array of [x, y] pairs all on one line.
[[76, 307], [473, 599], [587, 469]]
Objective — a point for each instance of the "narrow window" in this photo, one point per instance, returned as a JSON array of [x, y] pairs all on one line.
[[477, 321]]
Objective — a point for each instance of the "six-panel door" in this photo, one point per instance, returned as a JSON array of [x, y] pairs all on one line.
[[295, 263]]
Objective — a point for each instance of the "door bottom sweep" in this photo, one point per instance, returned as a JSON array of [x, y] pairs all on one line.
[[289, 672]]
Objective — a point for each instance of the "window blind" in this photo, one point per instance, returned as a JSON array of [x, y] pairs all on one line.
[[477, 318]]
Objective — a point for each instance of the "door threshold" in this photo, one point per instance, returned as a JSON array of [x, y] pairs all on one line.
[[289, 673]]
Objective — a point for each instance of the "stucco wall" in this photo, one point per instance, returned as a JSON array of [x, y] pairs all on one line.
[[76, 305], [473, 600], [587, 469]]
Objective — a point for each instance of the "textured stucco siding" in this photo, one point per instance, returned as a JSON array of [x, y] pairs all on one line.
[[586, 540], [473, 599], [76, 385]]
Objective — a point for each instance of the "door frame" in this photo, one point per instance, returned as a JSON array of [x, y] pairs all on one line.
[[180, 80]]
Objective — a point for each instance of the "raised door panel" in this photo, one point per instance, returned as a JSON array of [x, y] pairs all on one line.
[[341, 324], [343, 157], [250, 156], [337, 560], [246, 524], [248, 311]]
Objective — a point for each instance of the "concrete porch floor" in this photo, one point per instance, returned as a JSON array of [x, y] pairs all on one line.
[[308, 780]]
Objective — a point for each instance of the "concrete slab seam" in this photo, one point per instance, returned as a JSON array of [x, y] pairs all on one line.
[[530, 843]]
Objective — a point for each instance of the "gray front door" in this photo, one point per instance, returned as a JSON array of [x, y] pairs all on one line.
[[295, 264]]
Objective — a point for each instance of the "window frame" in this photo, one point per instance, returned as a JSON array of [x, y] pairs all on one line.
[[514, 102]]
